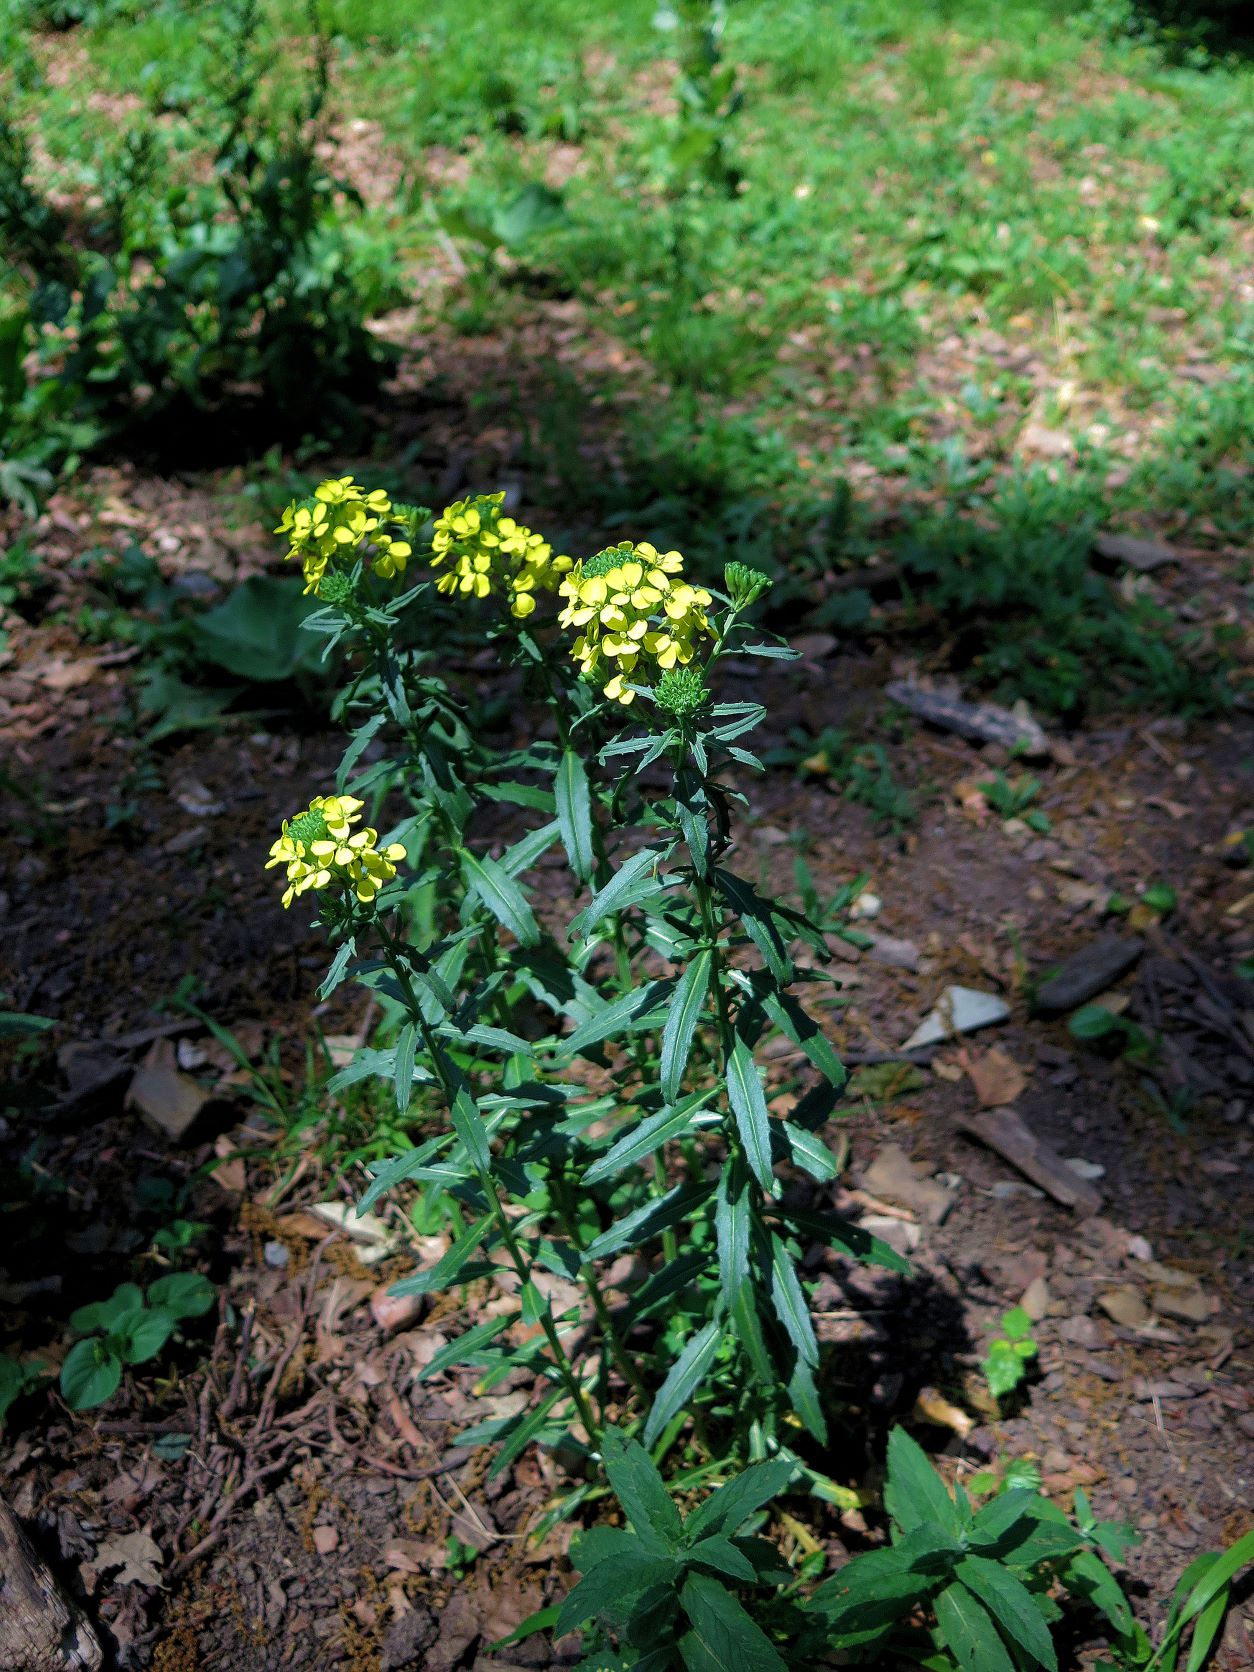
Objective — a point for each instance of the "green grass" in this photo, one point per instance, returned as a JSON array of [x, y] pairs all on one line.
[[959, 227]]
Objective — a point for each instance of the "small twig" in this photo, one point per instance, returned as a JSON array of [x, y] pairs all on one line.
[[227, 1408], [864, 1059]]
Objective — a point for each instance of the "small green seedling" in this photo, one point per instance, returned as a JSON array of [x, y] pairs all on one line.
[[1095, 1022], [16, 1381], [1010, 1354], [1014, 800], [127, 1329]]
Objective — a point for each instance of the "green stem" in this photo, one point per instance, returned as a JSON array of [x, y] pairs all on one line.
[[394, 953], [566, 1213]]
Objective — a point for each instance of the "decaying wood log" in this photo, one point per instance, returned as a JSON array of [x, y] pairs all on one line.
[[40, 1630], [981, 722]]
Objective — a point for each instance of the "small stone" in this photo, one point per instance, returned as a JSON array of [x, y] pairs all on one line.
[[276, 1255], [1005, 1190], [899, 1234], [867, 905], [393, 1312], [168, 1100], [1081, 1331], [1126, 1306], [1035, 1299], [1139, 1249], [1141, 555], [1088, 972], [325, 1540], [897, 954], [1191, 1305], [1086, 1169], [893, 1175], [958, 1010]]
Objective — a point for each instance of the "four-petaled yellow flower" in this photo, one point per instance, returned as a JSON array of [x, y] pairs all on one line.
[[488, 552], [319, 846], [335, 523], [630, 603]]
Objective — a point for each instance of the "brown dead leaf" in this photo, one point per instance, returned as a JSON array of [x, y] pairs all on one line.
[[933, 1407], [996, 1076]]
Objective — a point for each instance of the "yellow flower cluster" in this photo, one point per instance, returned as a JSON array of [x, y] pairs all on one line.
[[335, 523], [320, 846], [630, 603], [489, 552]]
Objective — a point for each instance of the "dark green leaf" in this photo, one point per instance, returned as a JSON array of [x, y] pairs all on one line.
[[968, 1632], [469, 1127], [731, 1505], [631, 1011], [521, 1437], [465, 1347], [183, 1294], [744, 1089], [644, 1138], [141, 1334], [641, 1490], [574, 814], [1010, 1603], [790, 1304], [501, 895], [681, 1022], [685, 1377], [725, 1631], [756, 915], [445, 1270], [851, 1239], [614, 894], [721, 1554], [637, 1227], [90, 1375], [528, 849], [795, 1023], [914, 1493], [406, 1054], [611, 1589]]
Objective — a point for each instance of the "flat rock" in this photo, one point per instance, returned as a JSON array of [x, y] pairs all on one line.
[[170, 1102], [1081, 1331], [897, 954], [982, 722], [1191, 1304], [1125, 1305], [1088, 972], [893, 1175], [958, 1010], [1035, 1299], [1141, 555]]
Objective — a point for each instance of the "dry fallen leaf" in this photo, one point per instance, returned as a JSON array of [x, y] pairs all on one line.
[[138, 1556], [933, 1407], [996, 1076]]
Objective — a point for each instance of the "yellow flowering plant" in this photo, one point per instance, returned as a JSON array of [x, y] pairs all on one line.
[[587, 1089], [663, 987]]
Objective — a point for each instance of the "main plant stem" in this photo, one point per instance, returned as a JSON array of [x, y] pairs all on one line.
[[394, 952]]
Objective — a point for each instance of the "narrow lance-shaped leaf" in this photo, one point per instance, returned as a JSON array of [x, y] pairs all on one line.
[[790, 1303], [681, 1022], [686, 1375], [759, 923], [574, 813], [748, 1102], [644, 1138], [501, 895], [406, 1052], [616, 890]]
